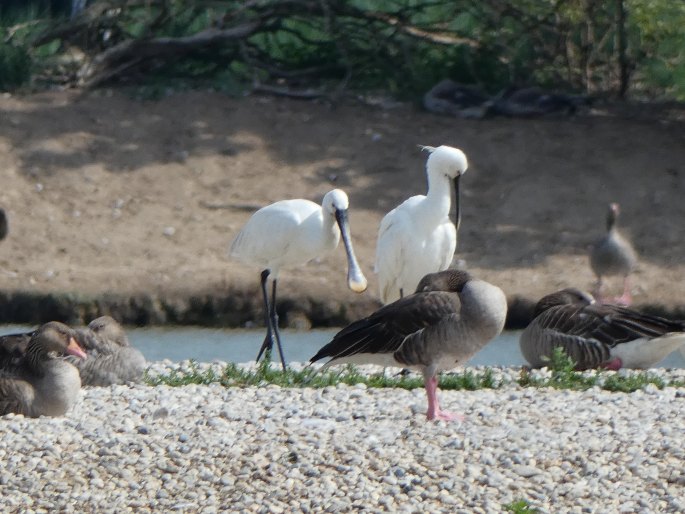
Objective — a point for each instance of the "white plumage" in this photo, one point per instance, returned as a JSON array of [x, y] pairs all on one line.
[[291, 233], [417, 237]]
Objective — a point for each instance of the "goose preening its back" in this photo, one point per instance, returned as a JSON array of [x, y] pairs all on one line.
[[111, 358], [443, 324], [41, 382], [291, 233], [612, 255], [417, 237], [597, 335]]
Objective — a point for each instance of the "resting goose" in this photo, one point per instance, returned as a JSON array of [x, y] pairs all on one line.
[[443, 324], [41, 382], [111, 358], [613, 255], [597, 335]]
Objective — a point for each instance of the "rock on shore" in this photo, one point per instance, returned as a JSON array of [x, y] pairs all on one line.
[[339, 449]]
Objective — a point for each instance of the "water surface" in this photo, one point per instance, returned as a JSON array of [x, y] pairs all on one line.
[[207, 344]]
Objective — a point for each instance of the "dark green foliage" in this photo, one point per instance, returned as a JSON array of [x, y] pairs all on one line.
[[15, 67], [402, 47]]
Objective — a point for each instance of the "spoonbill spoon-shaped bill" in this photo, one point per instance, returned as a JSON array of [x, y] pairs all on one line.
[[444, 323], [417, 237], [291, 233], [597, 335]]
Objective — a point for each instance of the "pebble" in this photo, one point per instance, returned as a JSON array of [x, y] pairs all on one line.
[[340, 449]]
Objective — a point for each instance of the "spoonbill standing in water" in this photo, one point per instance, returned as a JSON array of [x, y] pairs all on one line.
[[291, 233], [451, 316], [417, 237]]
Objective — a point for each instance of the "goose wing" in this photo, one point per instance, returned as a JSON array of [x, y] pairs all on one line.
[[613, 325], [588, 333], [579, 333], [123, 366], [15, 395], [13, 349], [386, 330]]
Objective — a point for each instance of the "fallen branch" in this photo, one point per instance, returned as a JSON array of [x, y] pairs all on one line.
[[132, 54]]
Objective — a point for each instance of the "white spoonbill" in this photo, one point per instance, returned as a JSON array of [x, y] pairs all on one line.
[[417, 237], [444, 323], [291, 233]]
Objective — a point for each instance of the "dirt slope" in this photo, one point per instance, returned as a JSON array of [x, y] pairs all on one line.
[[110, 196]]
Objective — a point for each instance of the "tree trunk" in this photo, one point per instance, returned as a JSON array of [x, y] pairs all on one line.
[[622, 61]]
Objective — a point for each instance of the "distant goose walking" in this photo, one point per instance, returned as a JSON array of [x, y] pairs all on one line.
[[42, 382], [450, 317], [417, 237], [613, 255], [291, 233], [597, 335], [111, 358]]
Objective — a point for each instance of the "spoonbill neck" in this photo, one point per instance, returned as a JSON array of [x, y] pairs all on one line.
[[439, 193]]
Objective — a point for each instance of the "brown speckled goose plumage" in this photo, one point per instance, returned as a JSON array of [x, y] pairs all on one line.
[[41, 382], [444, 323]]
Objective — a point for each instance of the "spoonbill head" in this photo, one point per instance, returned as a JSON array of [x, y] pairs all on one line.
[[449, 318], [417, 237], [291, 233]]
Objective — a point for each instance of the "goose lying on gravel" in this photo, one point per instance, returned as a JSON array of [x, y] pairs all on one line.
[[111, 358], [611, 255], [597, 335], [41, 382], [450, 317]]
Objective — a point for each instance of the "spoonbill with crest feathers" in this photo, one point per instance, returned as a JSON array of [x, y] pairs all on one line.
[[417, 237]]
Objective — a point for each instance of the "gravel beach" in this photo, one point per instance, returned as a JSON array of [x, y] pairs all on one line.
[[348, 448]]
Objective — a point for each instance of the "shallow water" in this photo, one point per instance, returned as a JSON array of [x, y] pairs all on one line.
[[207, 344]]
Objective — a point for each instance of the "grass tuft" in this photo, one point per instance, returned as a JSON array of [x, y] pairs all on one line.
[[520, 507], [562, 376]]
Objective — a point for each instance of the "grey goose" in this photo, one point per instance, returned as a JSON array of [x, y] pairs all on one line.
[[597, 335], [613, 255], [444, 323], [111, 358], [39, 381]]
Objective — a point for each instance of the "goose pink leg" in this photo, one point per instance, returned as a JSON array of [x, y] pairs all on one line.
[[627, 298], [434, 411]]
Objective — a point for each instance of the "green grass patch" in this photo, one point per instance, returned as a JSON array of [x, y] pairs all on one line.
[[520, 507], [266, 374], [562, 376]]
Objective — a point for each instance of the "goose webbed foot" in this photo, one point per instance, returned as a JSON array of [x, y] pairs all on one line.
[[445, 416]]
